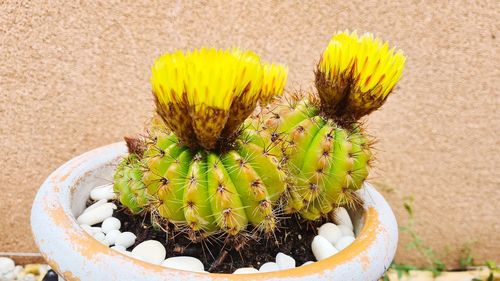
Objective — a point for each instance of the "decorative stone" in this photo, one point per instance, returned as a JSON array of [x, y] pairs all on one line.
[[358, 226], [344, 242], [150, 251], [322, 248], [341, 217], [29, 277], [285, 261], [103, 192], [99, 236], [345, 230], [110, 223], [184, 263], [10, 276], [87, 228], [43, 269], [95, 229], [111, 236], [307, 262], [51, 276], [125, 239], [269, 267], [129, 253], [96, 204], [331, 232], [6, 265], [33, 268], [19, 269], [245, 270], [90, 229], [119, 248], [97, 215]]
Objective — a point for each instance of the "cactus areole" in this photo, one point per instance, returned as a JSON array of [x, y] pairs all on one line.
[[207, 166]]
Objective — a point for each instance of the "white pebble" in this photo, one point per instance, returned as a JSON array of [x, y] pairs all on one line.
[[119, 248], [344, 242], [128, 253], [96, 204], [95, 229], [345, 230], [18, 270], [184, 263], [341, 217], [6, 265], [97, 215], [10, 276], [331, 232], [99, 236], [111, 236], [110, 223], [150, 251], [321, 248], [269, 267], [245, 270], [105, 242], [29, 277], [103, 192], [126, 239], [307, 262], [358, 226], [285, 261], [90, 229], [87, 228]]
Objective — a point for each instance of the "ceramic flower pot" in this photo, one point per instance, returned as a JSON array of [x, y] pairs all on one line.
[[75, 255]]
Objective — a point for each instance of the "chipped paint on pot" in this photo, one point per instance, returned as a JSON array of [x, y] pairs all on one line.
[[77, 256]]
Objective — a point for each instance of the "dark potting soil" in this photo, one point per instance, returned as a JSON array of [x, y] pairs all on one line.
[[222, 254]]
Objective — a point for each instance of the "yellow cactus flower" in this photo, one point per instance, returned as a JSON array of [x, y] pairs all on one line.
[[338, 57], [356, 74], [204, 95], [377, 68], [274, 81]]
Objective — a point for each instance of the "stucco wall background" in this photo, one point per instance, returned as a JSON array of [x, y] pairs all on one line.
[[75, 76]]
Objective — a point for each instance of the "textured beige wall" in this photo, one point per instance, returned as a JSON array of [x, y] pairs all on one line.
[[75, 77]]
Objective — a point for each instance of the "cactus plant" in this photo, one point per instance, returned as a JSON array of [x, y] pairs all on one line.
[[128, 184], [203, 170], [326, 149], [198, 170]]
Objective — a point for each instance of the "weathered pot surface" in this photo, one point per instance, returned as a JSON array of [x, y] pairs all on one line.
[[76, 255]]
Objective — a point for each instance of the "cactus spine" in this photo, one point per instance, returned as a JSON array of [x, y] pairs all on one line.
[[199, 170]]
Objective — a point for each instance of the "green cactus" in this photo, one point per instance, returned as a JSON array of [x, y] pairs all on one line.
[[198, 169], [326, 162], [212, 191], [128, 184], [325, 148]]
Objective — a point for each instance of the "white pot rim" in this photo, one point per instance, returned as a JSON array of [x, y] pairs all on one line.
[[78, 256]]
